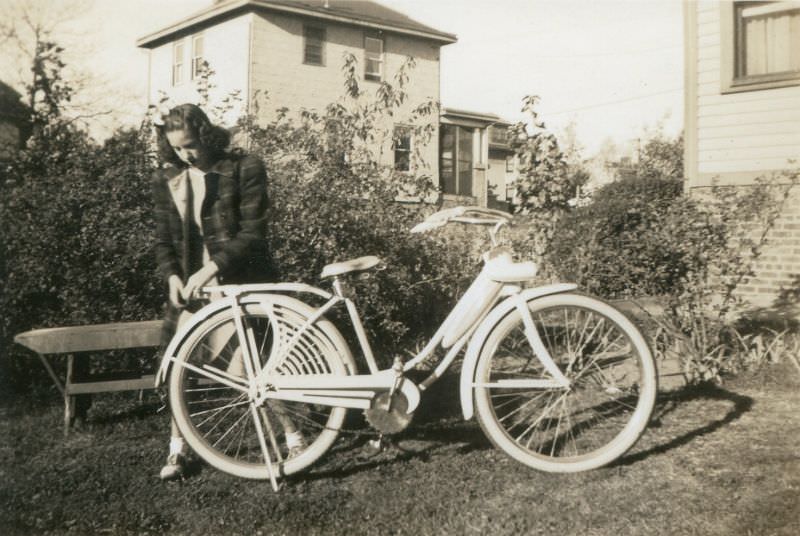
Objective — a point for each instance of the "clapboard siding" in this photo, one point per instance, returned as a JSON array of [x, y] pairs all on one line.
[[743, 106], [740, 131], [225, 48], [279, 73], [792, 139], [787, 127]]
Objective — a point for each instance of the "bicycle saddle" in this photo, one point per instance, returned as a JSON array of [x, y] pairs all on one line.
[[353, 265]]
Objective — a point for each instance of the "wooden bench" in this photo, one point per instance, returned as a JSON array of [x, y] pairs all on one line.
[[76, 340]]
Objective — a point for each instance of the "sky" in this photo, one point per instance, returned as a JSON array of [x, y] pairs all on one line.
[[611, 68]]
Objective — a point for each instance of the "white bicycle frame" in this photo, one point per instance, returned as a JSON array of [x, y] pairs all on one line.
[[358, 391]]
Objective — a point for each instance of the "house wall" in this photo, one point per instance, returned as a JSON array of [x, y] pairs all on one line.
[[278, 70], [226, 49], [732, 138]]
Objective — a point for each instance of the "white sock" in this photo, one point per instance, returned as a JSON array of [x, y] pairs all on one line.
[[294, 439], [176, 445]]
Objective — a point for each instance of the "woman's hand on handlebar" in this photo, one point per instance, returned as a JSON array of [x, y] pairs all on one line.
[[175, 289], [197, 280]]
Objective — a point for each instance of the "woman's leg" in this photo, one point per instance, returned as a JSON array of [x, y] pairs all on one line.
[[176, 459]]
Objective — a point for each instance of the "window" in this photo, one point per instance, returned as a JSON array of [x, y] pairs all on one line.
[[177, 63], [401, 145], [314, 45], [509, 164], [455, 159], [373, 49], [197, 56], [761, 45], [498, 135]]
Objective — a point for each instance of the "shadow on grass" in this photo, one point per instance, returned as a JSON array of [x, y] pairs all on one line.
[[669, 402]]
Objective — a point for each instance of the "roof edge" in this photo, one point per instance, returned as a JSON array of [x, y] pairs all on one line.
[[218, 10], [475, 116]]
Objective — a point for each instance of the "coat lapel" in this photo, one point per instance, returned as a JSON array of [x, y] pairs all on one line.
[[177, 189]]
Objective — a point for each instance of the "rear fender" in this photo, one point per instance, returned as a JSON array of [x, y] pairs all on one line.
[[219, 306], [479, 338], [185, 330]]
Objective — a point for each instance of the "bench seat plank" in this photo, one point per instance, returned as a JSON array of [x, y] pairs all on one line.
[[97, 337], [108, 386]]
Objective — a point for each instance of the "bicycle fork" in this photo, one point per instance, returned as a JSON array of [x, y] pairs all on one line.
[[252, 366]]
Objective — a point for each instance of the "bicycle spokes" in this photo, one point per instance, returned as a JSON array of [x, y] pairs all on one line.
[[603, 368]]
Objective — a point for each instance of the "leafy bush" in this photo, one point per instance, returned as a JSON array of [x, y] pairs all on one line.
[[547, 184], [76, 226], [642, 236], [335, 198], [76, 221], [615, 246]]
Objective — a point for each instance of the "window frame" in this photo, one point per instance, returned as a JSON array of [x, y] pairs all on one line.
[[178, 61], [458, 131], [732, 48], [195, 64], [381, 59], [409, 133], [322, 41]]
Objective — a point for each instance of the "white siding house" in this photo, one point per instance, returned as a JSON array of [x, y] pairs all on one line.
[[742, 113], [292, 53]]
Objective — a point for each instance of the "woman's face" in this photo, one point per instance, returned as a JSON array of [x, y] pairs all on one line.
[[189, 149]]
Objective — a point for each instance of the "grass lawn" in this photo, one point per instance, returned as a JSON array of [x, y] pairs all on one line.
[[716, 461]]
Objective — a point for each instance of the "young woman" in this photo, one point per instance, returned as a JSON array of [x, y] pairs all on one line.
[[211, 223]]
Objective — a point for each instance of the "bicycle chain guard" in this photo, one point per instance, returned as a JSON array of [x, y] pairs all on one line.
[[388, 413]]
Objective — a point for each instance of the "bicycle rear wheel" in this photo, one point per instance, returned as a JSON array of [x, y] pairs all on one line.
[[219, 421], [588, 424]]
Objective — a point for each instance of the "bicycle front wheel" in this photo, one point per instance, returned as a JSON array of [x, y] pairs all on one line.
[[218, 421], [590, 422]]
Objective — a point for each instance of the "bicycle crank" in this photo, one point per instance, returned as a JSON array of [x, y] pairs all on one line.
[[388, 413]]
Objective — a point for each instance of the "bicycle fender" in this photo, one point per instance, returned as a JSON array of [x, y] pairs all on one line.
[[479, 338], [226, 303], [180, 335]]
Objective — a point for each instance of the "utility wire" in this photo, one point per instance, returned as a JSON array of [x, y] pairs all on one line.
[[619, 101]]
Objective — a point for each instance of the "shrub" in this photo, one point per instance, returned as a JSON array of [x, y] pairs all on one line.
[[641, 236], [76, 222], [335, 198], [547, 184], [615, 246], [76, 226]]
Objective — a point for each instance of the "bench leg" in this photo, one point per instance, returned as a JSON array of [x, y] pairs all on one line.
[[75, 406], [69, 413]]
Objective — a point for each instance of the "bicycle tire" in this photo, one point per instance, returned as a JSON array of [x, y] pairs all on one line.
[[217, 421], [612, 392]]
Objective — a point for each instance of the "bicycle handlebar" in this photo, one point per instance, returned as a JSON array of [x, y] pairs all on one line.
[[470, 215]]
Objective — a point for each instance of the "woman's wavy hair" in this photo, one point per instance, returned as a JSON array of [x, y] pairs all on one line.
[[193, 119]]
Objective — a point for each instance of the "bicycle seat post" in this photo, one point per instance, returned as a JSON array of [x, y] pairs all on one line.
[[340, 289], [345, 292]]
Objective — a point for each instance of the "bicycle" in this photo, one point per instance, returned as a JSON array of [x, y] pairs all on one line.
[[560, 381]]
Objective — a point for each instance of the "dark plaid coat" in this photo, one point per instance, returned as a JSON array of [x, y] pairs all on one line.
[[234, 225]]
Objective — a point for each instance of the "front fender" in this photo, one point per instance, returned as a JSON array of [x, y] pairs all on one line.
[[478, 339]]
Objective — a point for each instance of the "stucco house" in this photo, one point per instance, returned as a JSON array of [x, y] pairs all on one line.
[[742, 115], [292, 51]]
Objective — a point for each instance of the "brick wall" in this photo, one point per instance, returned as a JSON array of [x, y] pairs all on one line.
[[778, 267]]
